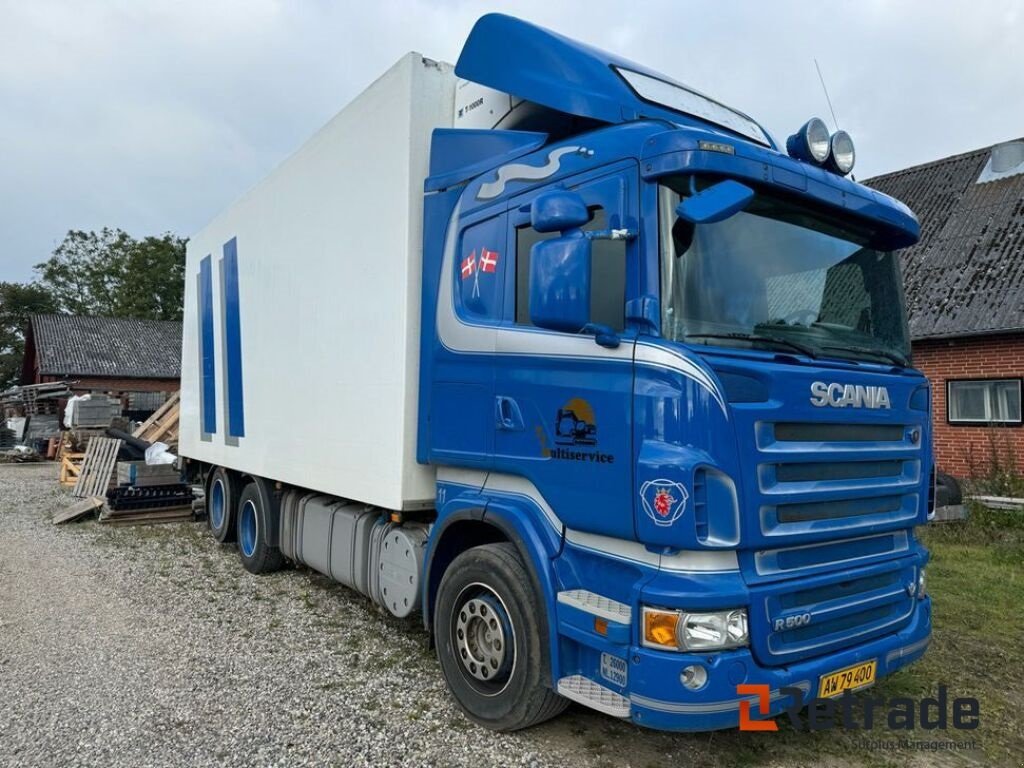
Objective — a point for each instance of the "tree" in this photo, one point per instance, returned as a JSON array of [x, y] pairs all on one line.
[[17, 302], [109, 273]]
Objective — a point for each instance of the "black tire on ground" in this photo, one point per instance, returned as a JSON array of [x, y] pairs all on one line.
[[486, 596], [256, 517], [222, 490], [947, 491]]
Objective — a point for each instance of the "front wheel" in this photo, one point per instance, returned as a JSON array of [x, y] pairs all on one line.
[[490, 642]]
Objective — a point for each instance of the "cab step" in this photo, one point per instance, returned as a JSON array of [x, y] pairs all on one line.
[[585, 691], [597, 605]]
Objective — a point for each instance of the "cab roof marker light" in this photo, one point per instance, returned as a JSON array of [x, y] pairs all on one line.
[[811, 143], [716, 146]]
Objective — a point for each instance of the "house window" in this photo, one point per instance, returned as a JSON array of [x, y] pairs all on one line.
[[993, 401]]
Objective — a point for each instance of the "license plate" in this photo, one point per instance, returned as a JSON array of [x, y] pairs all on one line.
[[848, 679]]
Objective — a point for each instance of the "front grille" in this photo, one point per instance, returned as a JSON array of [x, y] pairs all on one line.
[[811, 558], [806, 472], [820, 432], [832, 510], [825, 479], [833, 611]]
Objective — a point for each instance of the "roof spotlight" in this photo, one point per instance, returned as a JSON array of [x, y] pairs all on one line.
[[811, 142], [843, 154]]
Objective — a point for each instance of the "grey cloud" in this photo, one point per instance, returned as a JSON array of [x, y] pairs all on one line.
[[152, 116]]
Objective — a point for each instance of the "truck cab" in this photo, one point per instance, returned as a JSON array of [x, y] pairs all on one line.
[[666, 363]]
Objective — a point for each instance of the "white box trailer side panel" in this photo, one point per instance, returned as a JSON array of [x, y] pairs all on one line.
[[325, 328]]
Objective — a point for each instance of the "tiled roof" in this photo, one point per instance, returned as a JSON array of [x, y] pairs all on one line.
[[966, 275], [106, 346]]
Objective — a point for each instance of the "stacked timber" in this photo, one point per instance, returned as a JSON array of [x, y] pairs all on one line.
[[111, 475], [162, 426], [33, 399]]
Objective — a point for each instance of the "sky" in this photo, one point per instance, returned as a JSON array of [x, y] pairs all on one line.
[[153, 115]]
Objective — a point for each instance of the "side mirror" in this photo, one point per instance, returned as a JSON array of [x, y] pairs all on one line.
[[560, 266], [716, 203], [558, 210], [560, 283]]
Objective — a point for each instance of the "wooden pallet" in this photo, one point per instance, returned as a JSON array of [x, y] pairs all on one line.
[[97, 467], [70, 468], [162, 426], [146, 517], [78, 509]]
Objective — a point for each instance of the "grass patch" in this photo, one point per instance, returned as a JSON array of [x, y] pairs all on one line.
[[976, 581]]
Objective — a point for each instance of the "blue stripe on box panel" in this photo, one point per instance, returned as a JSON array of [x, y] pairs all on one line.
[[209, 369], [233, 341]]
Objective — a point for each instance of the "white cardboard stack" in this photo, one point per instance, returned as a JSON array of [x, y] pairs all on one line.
[[329, 258]]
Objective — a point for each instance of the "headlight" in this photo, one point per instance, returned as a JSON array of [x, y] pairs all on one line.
[[811, 142], [843, 154], [705, 631], [921, 585]]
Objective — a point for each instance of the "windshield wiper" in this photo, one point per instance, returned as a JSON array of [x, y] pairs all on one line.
[[804, 348], [894, 357]]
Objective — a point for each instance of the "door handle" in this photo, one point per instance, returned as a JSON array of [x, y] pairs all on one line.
[[507, 415]]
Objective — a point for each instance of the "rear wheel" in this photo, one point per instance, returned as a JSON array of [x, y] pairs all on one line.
[[257, 517], [221, 504], [490, 642]]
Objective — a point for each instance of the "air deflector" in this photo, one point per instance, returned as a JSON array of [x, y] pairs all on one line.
[[543, 67]]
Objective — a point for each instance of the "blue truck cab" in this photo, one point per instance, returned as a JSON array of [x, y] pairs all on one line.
[[664, 366]]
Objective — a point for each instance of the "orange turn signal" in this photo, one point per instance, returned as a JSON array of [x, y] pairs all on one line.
[[661, 627]]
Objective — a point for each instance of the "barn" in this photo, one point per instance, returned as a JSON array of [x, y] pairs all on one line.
[[964, 283], [138, 361]]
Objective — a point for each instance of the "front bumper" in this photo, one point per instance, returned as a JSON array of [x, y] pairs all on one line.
[[659, 700]]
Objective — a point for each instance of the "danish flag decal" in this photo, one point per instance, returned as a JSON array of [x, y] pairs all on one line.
[[488, 260], [472, 267], [469, 265]]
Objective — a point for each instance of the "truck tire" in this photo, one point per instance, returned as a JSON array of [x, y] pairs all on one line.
[[221, 504], [256, 517], [489, 640], [947, 491]]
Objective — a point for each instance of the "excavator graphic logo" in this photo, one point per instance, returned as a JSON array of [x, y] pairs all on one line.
[[575, 424]]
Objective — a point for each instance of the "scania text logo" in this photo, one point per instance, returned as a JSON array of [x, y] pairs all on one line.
[[842, 395]]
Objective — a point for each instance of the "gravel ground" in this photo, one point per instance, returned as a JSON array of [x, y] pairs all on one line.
[[152, 646]]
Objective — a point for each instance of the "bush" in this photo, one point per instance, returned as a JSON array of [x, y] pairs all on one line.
[[996, 471]]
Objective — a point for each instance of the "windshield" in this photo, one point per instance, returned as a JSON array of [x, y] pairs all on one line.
[[779, 276]]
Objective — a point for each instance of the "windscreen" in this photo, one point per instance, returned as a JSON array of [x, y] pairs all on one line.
[[779, 275]]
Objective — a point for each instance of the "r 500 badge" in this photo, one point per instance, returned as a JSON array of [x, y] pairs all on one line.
[[781, 624]]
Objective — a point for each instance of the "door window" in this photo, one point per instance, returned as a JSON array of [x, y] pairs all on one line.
[[607, 274], [480, 269]]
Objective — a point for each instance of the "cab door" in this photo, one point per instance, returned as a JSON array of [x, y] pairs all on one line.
[[461, 411], [563, 404]]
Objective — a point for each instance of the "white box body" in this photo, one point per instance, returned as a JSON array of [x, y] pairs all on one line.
[[329, 255]]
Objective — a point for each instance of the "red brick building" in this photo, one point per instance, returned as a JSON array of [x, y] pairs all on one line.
[[136, 360], [964, 283]]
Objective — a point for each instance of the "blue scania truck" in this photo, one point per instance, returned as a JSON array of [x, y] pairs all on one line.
[[585, 369]]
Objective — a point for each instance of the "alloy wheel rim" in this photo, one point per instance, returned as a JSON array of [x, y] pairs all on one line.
[[483, 639], [217, 504], [248, 529]]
